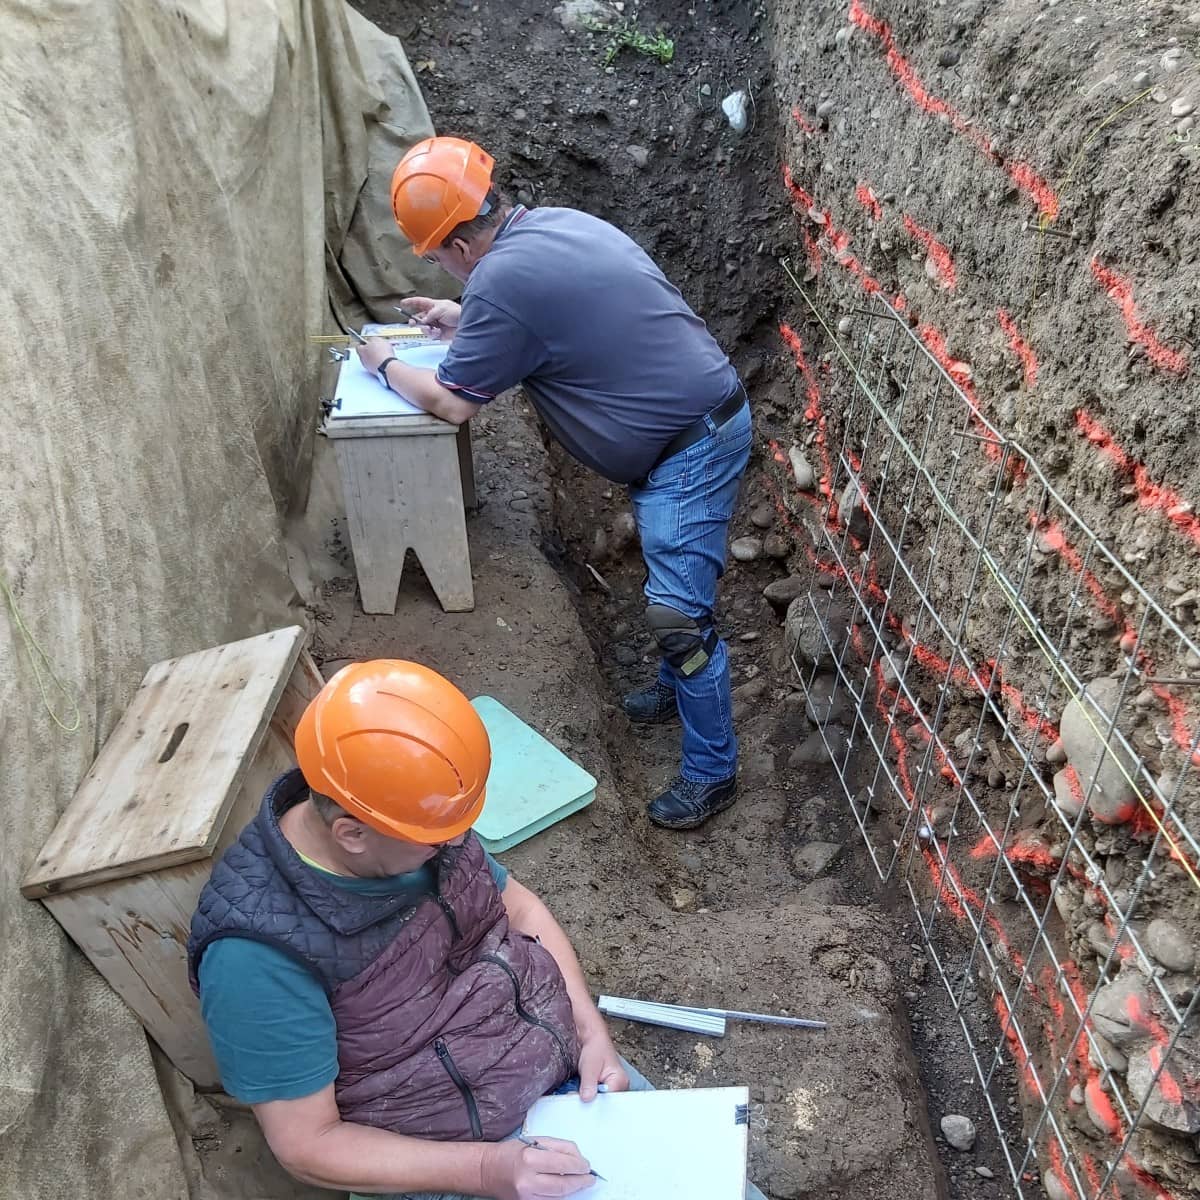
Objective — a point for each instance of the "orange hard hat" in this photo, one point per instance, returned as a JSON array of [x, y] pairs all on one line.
[[439, 183], [398, 746]]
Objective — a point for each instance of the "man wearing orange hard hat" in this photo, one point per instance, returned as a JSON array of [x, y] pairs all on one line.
[[632, 384], [382, 993]]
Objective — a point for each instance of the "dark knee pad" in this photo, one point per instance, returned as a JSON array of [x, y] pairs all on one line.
[[680, 639]]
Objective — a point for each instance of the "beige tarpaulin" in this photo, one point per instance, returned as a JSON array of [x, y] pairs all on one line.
[[175, 178]]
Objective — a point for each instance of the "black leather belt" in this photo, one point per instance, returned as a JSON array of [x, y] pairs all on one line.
[[699, 430]]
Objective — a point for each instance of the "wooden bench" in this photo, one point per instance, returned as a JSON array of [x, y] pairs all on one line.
[[182, 774], [407, 482]]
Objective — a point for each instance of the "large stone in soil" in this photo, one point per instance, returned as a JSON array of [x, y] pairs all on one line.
[[1116, 1005], [809, 635], [828, 701], [1174, 1101], [1056, 1189], [1084, 726], [813, 858], [810, 751], [1067, 794], [1170, 945], [802, 473], [781, 592], [959, 1131], [624, 532]]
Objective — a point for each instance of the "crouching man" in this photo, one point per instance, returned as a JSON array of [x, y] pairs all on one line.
[[387, 998]]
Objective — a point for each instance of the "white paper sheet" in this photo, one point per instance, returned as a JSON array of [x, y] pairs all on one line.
[[668, 1145], [360, 393]]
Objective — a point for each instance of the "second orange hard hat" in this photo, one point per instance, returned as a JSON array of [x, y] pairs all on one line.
[[398, 746], [438, 184]]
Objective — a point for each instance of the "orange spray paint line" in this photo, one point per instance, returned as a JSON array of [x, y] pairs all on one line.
[[1020, 347], [1120, 291], [939, 254], [1027, 180], [1150, 493]]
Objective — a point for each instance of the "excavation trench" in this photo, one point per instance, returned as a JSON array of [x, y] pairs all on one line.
[[774, 905]]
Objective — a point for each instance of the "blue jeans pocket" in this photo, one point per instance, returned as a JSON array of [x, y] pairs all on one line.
[[722, 474]]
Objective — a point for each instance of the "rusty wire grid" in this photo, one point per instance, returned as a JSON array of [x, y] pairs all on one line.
[[1012, 718]]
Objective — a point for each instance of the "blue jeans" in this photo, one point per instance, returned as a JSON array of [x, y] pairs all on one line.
[[683, 514], [637, 1083]]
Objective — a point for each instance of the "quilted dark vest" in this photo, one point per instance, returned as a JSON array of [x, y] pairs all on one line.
[[449, 1023]]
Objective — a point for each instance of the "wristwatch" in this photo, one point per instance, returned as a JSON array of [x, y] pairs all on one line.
[[381, 370]]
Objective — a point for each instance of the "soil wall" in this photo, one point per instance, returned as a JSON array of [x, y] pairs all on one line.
[[1014, 178]]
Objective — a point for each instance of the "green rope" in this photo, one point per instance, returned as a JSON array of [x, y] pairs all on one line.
[[40, 662]]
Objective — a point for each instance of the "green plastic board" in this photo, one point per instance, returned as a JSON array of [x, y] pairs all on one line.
[[532, 785]]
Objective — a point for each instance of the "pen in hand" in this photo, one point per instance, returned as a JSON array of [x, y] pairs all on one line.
[[528, 1141]]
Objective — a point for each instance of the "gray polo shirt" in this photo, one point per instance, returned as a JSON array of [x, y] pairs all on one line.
[[614, 360]]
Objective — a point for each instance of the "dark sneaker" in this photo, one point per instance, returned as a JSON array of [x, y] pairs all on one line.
[[651, 705], [685, 804]]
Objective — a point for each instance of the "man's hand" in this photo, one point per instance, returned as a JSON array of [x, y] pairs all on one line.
[[437, 318], [374, 351], [600, 1063], [514, 1171]]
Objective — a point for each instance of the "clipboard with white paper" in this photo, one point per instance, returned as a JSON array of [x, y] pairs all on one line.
[[685, 1144], [360, 393]]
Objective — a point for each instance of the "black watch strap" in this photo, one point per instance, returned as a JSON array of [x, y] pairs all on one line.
[[381, 370]]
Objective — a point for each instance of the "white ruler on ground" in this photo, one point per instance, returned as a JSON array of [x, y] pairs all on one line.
[[668, 1015]]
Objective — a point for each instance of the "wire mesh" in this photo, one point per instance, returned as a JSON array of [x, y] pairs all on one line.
[[1012, 718]]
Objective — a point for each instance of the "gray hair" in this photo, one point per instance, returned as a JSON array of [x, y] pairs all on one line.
[[477, 225], [328, 810]]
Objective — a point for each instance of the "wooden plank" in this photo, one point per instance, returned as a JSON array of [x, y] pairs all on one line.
[[134, 930], [368, 427], [401, 494], [161, 788], [466, 467], [303, 684]]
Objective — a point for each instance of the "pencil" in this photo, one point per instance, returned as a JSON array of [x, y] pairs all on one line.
[[528, 1141]]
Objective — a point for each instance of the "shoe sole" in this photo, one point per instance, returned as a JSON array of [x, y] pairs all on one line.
[[665, 720], [695, 823]]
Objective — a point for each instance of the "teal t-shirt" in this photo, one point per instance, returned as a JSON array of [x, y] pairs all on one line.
[[269, 1020]]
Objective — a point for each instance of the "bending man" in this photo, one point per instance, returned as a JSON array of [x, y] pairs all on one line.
[[631, 383]]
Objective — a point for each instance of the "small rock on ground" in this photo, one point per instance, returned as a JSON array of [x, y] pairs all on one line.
[[959, 1131], [812, 859], [782, 592], [624, 532], [802, 470], [746, 549], [763, 517], [746, 695], [775, 545], [811, 750], [577, 15], [639, 154]]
